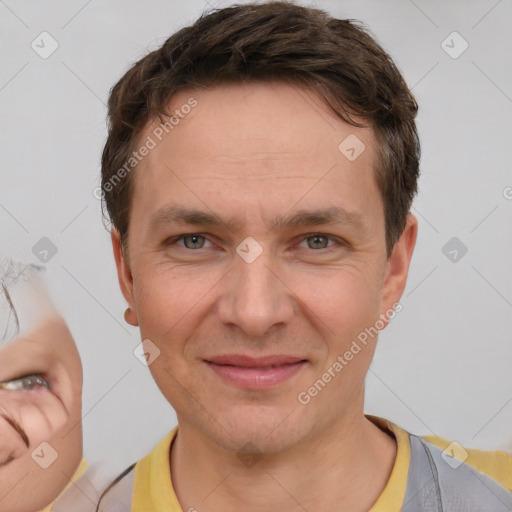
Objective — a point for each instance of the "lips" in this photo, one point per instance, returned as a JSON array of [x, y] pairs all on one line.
[[255, 373], [254, 362]]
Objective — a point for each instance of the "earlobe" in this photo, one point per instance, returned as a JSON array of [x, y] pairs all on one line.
[[130, 317], [124, 277], [397, 268]]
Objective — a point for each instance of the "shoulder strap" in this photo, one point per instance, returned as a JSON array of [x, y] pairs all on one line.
[[84, 495], [423, 492], [433, 485], [117, 497]]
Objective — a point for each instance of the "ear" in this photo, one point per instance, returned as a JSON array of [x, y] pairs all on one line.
[[397, 266], [124, 276]]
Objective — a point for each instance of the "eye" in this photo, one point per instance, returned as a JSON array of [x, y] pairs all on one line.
[[190, 241], [28, 383], [197, 241], [319, 241]]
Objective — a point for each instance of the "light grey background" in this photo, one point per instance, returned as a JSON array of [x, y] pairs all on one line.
[[442, 366]]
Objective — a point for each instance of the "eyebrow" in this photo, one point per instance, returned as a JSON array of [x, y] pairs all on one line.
[[173, 214], [17, 427]]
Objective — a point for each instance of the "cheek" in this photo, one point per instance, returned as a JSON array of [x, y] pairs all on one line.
[[346, 299], [10, 442], [167, 300], [346, 305], [39, 413], [43, 420]]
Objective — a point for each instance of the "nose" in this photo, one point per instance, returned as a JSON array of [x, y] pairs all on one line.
[[255, 297]]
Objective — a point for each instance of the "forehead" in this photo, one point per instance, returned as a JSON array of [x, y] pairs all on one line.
[[264, 119], [255, 144]]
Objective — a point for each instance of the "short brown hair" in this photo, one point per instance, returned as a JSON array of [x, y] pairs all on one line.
[[267, 42]]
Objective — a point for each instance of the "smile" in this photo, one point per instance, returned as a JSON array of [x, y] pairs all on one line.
[[253, 373]]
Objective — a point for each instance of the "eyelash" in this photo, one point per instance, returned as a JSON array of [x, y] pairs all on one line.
[[340, 242], [19, 384]]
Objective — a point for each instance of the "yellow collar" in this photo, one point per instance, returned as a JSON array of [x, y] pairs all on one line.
[[153, 488], [392, 497]]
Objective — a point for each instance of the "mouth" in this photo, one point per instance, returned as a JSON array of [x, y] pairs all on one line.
[[255, 373]]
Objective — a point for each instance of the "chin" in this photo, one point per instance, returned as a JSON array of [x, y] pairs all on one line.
[[270, 429]]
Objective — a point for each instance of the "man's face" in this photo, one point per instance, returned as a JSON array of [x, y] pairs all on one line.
[[305, 290]]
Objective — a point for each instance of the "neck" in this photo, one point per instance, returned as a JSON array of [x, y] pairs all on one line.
[[345, 469]]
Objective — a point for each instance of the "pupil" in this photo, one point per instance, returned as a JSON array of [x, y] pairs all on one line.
[[194, 239], [317, 238]]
